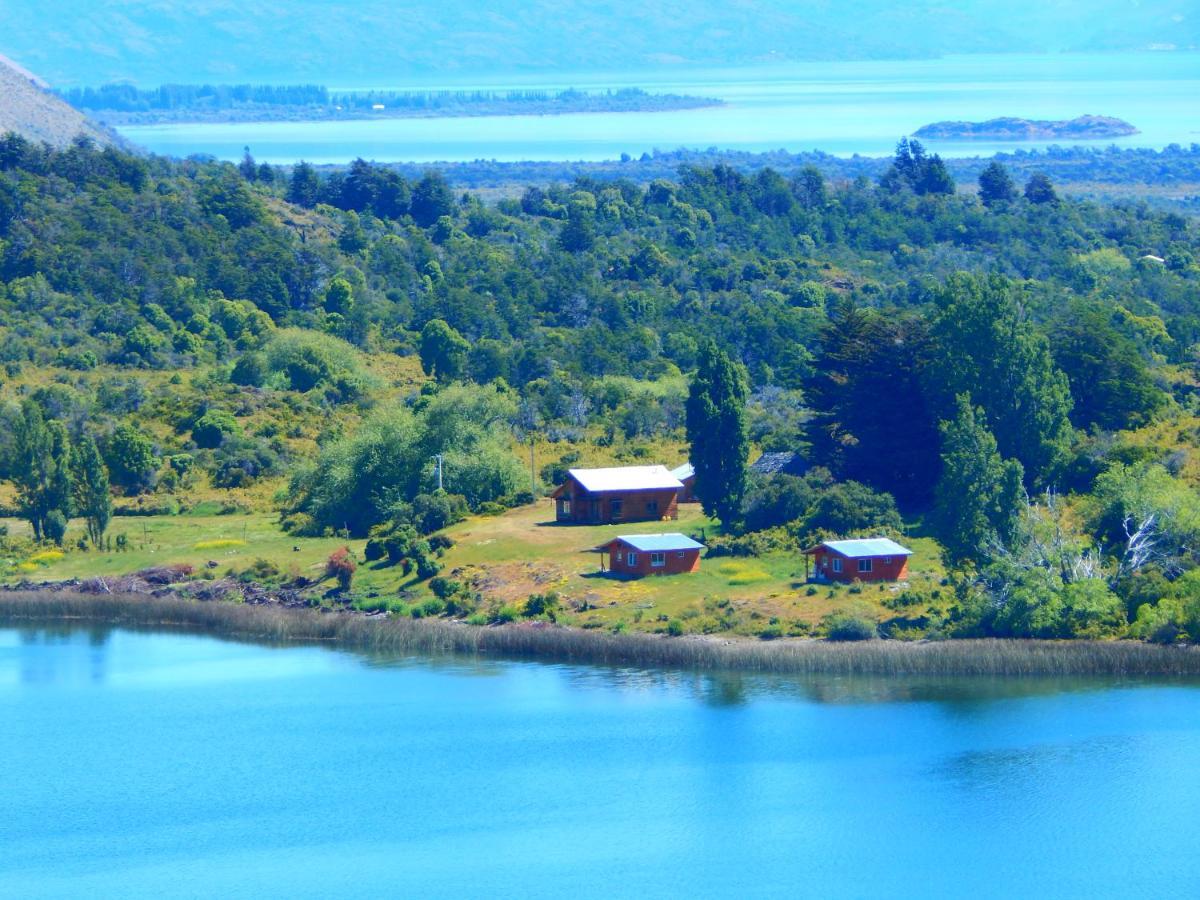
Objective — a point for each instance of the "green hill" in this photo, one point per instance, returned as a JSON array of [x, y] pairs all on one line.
[[28, 109]]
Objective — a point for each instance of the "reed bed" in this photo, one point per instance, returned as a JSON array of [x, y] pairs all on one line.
[[270, 624]]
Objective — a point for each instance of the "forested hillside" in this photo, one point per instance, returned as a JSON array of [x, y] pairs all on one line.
[[97, 41], [1012, 373]]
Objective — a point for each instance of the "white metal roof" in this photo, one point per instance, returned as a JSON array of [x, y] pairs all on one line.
[[860, 547], [659, 543], [687, 470], [626, 478]]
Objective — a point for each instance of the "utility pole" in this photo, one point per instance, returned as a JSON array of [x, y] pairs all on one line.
[[439, 460]]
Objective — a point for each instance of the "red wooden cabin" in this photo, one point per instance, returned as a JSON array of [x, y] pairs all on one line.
[[864, 559], [638, 555], [687, 477], [626, 494]]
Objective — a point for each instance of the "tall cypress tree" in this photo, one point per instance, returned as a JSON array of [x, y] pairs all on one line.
[[716, 430], [92, 497], [978, 497]]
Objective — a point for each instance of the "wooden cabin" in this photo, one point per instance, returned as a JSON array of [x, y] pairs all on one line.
[[864, 559], [625, 494], [639, 555], [687, 477]]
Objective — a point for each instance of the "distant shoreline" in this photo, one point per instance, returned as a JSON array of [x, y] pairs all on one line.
[[274, 624], [574, 104]]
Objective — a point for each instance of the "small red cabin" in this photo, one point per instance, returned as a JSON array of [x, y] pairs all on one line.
[[626, 494], [865, 559], [687, 477], [638, 555]]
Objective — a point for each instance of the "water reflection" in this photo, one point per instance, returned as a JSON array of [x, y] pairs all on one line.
[[45, 668], [964, 696]]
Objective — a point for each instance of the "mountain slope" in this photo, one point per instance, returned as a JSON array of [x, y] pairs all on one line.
[[371, 42], [30, 110]]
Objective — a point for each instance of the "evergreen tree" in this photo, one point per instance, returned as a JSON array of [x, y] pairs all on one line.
[[873, 420], [305, 187], [248, 167], [32, 465], [996, 185], [987, 348], [979, 495], [431, 199], [1110, 380], [1039, 189], [93, 500], [443, 351], [716, 430]]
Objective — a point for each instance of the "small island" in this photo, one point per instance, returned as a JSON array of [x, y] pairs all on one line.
[[1008, 128]]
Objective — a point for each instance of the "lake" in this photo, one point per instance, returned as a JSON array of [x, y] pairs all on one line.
[[144, 764], [842, 108]]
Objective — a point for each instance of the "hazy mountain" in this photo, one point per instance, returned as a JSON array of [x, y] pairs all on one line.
[[381, 41], [30, 110]]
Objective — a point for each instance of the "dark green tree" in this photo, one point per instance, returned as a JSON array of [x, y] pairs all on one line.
[[33, 466], [716, 431], [979, 497], [443, 351], [874, 422], [431, 199], [248, 167], [93, 499], [130, 458], [1039, 189], [996, 185], [1110, 380], [988, 348], [305, 185]]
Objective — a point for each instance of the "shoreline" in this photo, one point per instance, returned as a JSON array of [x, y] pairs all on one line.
[[275, 624]]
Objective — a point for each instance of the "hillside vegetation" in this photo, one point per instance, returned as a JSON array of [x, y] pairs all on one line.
[[89, 42], [29, 109], [261, 365]]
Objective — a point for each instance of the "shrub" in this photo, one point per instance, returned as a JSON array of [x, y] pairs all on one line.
[[675, 628], [849, 627], [543, 605], [341, 565], [55, 526], [504, 614], [213, 428], [444, 587]]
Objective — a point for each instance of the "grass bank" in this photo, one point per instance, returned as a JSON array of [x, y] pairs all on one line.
[[403, 635]]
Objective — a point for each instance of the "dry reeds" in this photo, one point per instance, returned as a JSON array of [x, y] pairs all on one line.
[[402, 635]]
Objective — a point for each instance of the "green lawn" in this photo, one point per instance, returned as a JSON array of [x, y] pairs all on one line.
[[507, 558]]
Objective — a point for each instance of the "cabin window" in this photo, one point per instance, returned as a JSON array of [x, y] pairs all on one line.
[[837, 564], [864, 565], [652, 507], [566, 506], [631, 559], [658, 559], [614, 507], [887, 560]]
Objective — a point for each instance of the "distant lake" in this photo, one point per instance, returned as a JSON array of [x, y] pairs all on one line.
[[841, 108], [145, 765]]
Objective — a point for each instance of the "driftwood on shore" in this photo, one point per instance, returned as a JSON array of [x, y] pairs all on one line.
[[278, 623]]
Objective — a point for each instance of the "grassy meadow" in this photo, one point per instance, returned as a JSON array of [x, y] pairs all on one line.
[[503, 559]]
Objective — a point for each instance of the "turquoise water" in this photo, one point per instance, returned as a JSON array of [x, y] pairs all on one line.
[[842, 108], [140, 765]]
